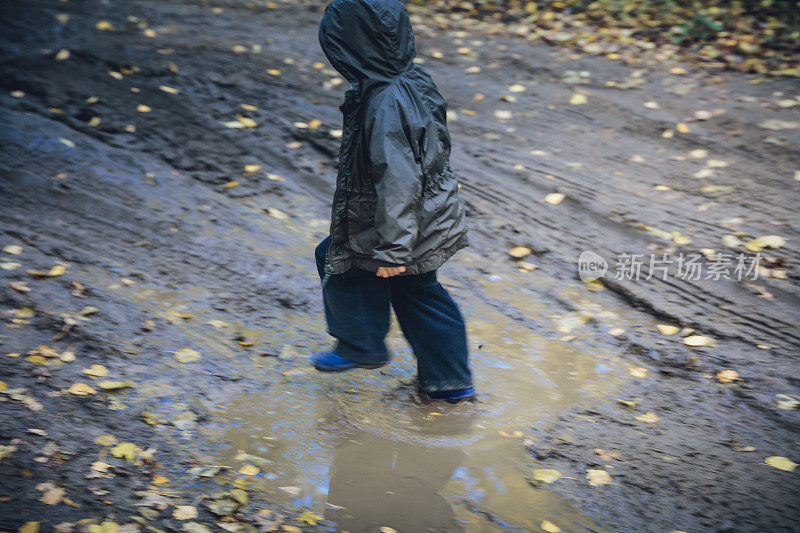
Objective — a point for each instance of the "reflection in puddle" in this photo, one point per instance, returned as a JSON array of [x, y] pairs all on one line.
[[358, 449]]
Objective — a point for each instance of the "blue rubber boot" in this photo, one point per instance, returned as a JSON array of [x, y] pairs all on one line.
[[453, 396], [333, 362]]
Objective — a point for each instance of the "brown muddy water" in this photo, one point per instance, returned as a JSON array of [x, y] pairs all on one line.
[[359, 449]]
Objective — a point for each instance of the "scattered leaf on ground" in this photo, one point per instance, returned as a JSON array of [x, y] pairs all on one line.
[[781, 463], [597, 478], [649, 417]]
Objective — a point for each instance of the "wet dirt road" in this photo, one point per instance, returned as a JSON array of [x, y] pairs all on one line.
[[141, 211]]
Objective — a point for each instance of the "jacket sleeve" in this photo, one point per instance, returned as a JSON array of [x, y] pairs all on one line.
[[398, 184]]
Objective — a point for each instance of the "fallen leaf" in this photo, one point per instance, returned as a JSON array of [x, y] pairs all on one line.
[[519, 252], [546, 475], [578, 99], [649, 417], [115, 385], [310, 518], [125, 450], [781, 463], [97, 371], [141, 108], [53, 495], [276, 213], [5, 451], [682, 128], [554, 198], [728, 376], [699, 341], [29, 527], [81, 389], [787, 402], [252, 168], [550, 527], [106, 440], [598, 478], [668, 330], [57, 270], [184, 512], [638, 371], [249, 470], [195, 527], [13, 249], [187, 355]]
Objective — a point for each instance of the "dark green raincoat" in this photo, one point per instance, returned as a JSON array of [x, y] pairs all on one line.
[[397, 200]]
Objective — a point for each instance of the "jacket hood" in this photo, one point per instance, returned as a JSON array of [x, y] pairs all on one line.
[[367, 40]]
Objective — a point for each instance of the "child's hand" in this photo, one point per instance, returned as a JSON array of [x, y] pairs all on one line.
[[388, 272]]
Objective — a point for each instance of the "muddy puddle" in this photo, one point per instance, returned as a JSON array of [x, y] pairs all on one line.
[[359, 449]]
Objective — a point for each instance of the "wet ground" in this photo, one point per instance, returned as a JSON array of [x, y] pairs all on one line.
[[141, 210]]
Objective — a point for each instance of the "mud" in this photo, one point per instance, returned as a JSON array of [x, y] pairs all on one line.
[[144, 220]]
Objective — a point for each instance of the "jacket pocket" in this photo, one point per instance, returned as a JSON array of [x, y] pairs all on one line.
[[361, 234]]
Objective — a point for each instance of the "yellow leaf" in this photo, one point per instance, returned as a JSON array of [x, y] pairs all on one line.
[[249, 470], [106, 440], [314, 124], [184, 512], [276, 213], [3, 385], [781, 462], [682, 127], [668, 330], [62, 54], [57, 270], [728, 376], [274, 177], [81, 389], [100, 466], [13, 249], [25, 312], [105, 527], [638, 371], [550, 527], [104, 25], [598, 478], [246, 122], [771, 241], [628, 403], [519, 252], [97, 371], [240, 495], [649, 417], [252, 168], [554, 198], [698, 341], [578, 99], [231, 184], [125, 450], [274, 72], [546, 475], [141, 108], [310, 518], [115, 385], [158, 479], [517, 88], [29, 527], [187, 355]]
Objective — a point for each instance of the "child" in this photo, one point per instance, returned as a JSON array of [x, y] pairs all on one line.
[[397, 215]]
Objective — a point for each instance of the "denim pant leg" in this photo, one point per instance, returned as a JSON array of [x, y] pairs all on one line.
[[433, 325], [357, 311]]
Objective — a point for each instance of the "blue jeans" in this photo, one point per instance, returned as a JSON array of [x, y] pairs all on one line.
[[357, 310]]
